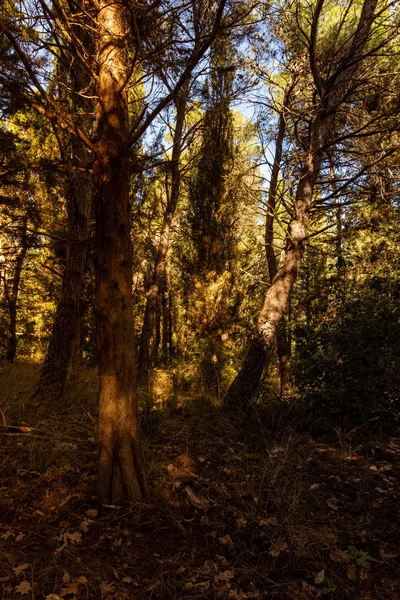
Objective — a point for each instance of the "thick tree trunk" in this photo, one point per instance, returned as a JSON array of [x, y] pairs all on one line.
[[144, 359], [121, 474], [247, 381]]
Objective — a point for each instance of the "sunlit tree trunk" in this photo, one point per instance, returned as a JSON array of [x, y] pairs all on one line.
[[282, 339], [247, 381], [121, 474], [333, 93], [144, 359]]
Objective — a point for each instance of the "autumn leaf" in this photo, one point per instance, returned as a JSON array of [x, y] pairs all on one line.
[[224, 576], [226, 540], [277, 547], [332, 503], [352, 572], [18, 570], [320, 577], [106, 588], [71, 589], [85, 524], [75, 538], [23, 588]]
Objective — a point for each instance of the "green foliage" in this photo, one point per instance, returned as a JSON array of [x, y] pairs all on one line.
[[348, 366]]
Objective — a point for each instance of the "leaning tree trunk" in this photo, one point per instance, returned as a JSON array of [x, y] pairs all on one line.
[[247, 381], [282, 338], [121, 474], [144, 358], [333, 94]]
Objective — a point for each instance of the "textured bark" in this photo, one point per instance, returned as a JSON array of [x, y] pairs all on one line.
[[159, 273], [170, 324], [282, 339], [55, 367], [11, 294], [121, 474], [75, 362], [322, 129], [247, 381], [157, 337], [165, 321]]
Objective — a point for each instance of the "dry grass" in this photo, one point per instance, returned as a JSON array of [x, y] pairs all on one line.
[[241, 508]]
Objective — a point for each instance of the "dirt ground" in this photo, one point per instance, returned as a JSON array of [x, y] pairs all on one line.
[[241, 508]]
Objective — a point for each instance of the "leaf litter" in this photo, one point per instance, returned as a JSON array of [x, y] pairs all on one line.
[[231, 518]]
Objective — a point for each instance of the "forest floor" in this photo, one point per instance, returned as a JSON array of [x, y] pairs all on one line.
[[240, 508]]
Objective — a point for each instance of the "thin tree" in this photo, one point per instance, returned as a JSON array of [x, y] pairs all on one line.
[[159, 272]]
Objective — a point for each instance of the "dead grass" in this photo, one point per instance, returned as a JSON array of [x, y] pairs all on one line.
[[241, 508]]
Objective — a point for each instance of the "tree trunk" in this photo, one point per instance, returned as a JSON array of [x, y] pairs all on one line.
[[12, 294], [170, 327], [79, 199], [12, 332], [247, 381], [75, 362], [165, 320], [144, 359], [333, 93], [55, 368], [157, 337], [282, 339], [121, 474]]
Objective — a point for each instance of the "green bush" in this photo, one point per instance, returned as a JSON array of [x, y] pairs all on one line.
[[348, 368]]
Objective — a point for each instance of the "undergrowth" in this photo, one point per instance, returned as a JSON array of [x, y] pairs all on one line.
[[254, 507]]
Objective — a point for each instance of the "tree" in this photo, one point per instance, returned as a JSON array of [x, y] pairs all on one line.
[[282, 337], [159, 273], [123, 46], [76, 158], [332, 91]]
